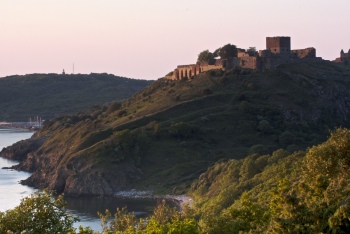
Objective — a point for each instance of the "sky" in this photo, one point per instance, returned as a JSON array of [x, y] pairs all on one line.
[[146, 39]]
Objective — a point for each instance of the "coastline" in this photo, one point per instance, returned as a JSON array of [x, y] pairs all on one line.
[[178, 200]]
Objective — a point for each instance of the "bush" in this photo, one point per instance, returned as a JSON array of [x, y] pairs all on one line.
[[246, 107], [258, 149], [207, 91], [165, 219], [155, 128], [114, 107], [183, 130], [287, 138], [264, 127], [38, 213], [121, 113]]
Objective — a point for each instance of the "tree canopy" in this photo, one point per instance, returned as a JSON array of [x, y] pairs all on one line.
[[38, 213], [205, 56], [303, 192], [227, 51], [251, 51]]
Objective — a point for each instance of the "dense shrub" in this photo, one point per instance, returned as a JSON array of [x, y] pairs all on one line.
[[38, 213], [183, 130], [264, 127], [114, 107], [258, 149], [121, 113], [287, 138], [207, 91]]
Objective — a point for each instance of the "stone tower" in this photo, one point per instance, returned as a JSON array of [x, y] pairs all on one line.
[[278, 45]]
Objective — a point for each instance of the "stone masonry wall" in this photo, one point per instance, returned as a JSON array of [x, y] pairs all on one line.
[[278, 45], [277, 52], [305, 53], [344, 58]]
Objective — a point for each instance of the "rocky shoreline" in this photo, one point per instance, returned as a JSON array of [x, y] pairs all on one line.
[[179, 200]]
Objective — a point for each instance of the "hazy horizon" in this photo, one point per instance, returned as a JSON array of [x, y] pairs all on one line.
[[147, 39]]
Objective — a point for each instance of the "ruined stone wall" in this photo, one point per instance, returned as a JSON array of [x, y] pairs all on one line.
[[265, 53], [210, 67], [250, 63], [184, 71], [189, 71], [278, 45], [305, 53], [170, 75], [344, 58], [273, 62], [219, 62], [344, 55], [241, 54], [277, 52]]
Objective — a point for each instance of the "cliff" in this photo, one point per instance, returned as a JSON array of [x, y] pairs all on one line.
[[166, 135]]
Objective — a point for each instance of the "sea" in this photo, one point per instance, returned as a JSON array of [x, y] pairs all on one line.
[[85, 208]]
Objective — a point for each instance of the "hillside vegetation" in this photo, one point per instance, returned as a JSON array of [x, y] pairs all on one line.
[[166, 135], [304, 192], [53, 95]]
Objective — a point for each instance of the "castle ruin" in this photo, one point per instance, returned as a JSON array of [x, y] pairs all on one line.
[[344, 58], [278, 51]]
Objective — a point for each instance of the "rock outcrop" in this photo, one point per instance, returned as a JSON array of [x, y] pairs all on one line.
[[73, 178]]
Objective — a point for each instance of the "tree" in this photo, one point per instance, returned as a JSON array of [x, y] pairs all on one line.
[[251, 51], [317, 202], [244, 216], [227, 51], [165, 220], [38, 213], [205, 56]]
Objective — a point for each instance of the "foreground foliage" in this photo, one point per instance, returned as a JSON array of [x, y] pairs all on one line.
[[38, 213], [165, 220], [312, 197], [42, 213], [303, 192]]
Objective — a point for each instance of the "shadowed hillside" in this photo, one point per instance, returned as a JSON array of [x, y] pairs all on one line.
[[53, 95], [303, 192], [166, 135]]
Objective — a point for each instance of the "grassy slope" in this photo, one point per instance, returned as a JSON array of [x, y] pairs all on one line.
[[226, 116], [52, 95]]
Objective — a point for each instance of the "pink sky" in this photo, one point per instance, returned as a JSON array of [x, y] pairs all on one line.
[[147, 39]]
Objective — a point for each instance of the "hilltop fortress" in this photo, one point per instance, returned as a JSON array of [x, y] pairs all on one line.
[[278, 51], [344, 58]]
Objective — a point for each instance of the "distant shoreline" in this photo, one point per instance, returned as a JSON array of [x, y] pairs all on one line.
[[179, 200], [19, 128]]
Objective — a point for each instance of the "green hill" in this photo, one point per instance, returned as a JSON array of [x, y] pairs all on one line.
[[53, 95], [165, 136], [303, 192]]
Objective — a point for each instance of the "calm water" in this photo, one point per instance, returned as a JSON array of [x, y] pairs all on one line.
[[11, 192]]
